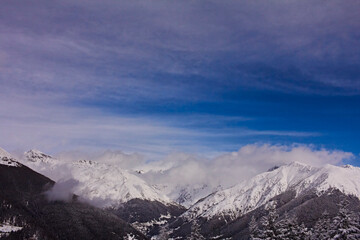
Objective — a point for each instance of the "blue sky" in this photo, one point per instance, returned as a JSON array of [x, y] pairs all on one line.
[[194, 76]]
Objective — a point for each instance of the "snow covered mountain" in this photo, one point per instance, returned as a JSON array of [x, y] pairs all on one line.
[[27, 213], [186, 194], [39, 157], [104, 185], [109, 186], [41, 162], [298, 190], [7, 160], [259, 190], [181, 192]]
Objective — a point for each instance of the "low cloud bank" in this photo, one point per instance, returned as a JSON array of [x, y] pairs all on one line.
[[62, 190], [181, 170], [226, 169], [230, 168]]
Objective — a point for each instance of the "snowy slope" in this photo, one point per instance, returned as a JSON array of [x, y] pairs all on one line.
[[7, 159], [105, 185], [36, 156], [41, 162], [186, 194], [108, 185], [257, 191]]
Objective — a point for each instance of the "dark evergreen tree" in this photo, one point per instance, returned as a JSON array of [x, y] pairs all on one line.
[[270, 230], [195, 232], [254, 229], [289, 229], [345, 226], [322, 227], [305, 233], [274, 229]]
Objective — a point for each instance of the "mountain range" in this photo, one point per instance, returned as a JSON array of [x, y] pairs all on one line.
[[27, 213], [104, 201]]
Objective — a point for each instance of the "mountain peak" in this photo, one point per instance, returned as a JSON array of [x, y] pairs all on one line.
[[109, 185], [349, 166], [7, 159], [4, 153], [34, 155], [273, 168], [294, 164], [35, 151], [86, 162], [259, 190], [298, 164]]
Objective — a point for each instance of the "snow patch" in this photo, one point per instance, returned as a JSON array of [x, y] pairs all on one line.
[[6, 229], [130, 237]]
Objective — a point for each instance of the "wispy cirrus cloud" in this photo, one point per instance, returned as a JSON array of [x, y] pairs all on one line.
[[120, 47], [133, 75], [55, 128]]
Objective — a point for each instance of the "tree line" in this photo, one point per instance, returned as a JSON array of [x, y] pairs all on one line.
[[344, 226]]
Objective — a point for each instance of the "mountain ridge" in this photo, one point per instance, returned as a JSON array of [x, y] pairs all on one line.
[[7, 159], [296, 187], [253, 193]]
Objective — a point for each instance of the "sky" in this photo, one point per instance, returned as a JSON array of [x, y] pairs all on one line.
[[199, 77]]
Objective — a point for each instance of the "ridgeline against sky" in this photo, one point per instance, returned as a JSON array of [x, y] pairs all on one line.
[[195, 76]]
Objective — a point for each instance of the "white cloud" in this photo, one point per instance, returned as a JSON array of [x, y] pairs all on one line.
[[181, 170], [62, 190], [225, 169], [231, 168]]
